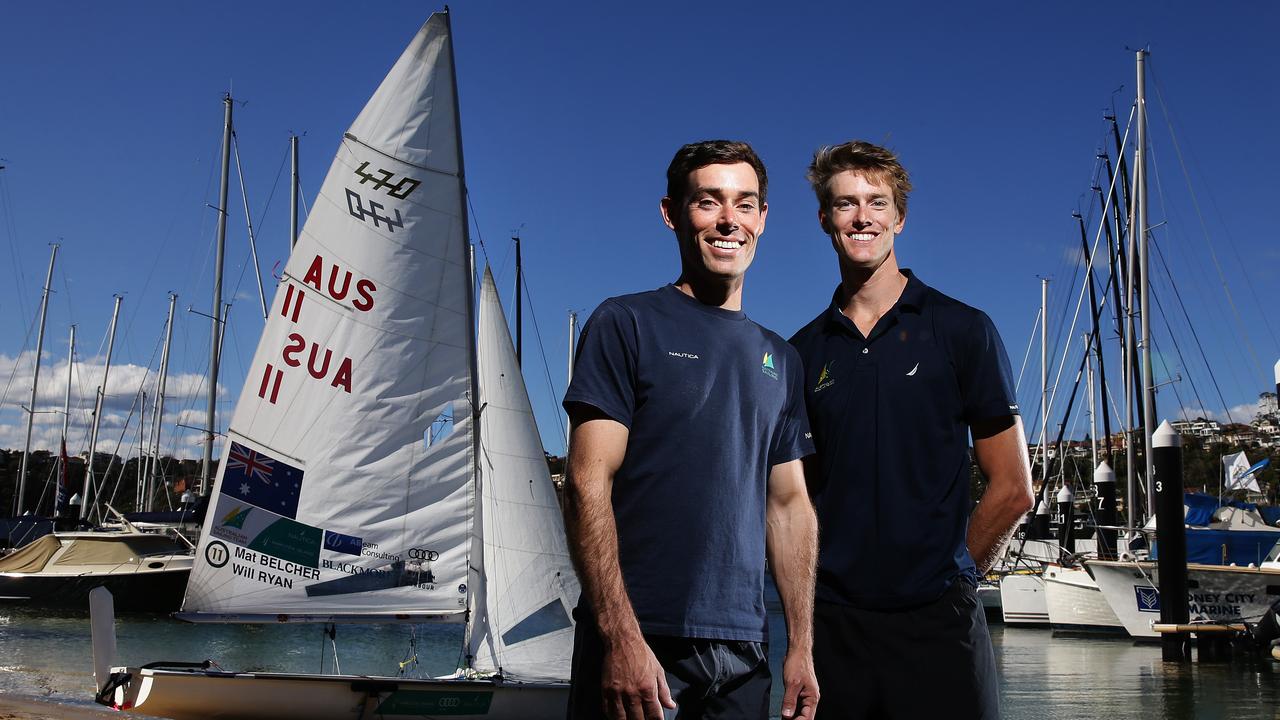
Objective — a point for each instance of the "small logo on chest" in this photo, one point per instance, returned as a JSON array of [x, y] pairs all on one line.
[[766, 366], [824, 379], [913, 370], [684, 355]]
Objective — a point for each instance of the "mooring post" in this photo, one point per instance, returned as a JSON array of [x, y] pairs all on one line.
[[1104, 479], [1171, 537], [1066, 520]]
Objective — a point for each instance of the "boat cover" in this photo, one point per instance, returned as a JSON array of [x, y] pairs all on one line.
[[109, 550], [31, 558]]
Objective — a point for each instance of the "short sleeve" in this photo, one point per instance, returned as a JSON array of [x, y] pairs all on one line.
[[604, 369], [986, 381], [793, 440]]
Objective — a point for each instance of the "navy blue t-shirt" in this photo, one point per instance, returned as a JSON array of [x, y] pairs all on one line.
[[890, 415], [712, 402]]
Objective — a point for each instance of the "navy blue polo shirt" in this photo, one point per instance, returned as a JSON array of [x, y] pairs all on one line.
[[890, 415], [712, 402]]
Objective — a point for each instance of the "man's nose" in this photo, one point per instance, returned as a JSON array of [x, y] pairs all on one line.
[[728, 217]]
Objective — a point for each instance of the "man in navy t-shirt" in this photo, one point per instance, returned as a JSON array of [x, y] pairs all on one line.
[[685, 473], [897, 376]]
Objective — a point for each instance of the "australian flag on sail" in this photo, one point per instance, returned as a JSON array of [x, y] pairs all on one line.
[[261, 480]]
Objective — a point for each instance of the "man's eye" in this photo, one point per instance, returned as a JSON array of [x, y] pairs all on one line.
[[881, 203], [746, 207], [843, 205], [706, 204]]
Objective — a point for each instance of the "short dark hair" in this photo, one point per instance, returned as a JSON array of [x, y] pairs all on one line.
[[872, 161], [711, 152]]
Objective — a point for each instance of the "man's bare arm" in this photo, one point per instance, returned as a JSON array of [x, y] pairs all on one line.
[[791, 541], [633, 683], [1000, 448]]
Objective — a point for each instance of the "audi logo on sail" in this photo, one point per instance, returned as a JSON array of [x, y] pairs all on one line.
[[420, 554]]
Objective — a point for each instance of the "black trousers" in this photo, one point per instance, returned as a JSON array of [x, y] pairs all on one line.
[[930, 661], [708, 679]]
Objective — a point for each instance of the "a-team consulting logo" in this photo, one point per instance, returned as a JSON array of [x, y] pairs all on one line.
[[824, 379], [766, 366]]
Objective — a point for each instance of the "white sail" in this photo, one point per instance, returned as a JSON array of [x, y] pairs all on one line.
[[522, 626], [331, 501]]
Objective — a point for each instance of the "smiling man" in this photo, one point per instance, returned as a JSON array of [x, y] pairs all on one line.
[[685, 472], [897, 376]]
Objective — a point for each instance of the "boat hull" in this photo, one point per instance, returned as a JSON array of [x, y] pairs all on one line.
[[1076, 604], [142, 591], [1022, 599], [196, 694], [1216, 593]]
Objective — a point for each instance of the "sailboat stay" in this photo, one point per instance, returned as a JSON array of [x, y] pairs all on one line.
[[338, 499]]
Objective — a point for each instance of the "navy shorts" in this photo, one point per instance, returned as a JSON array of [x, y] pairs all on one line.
[[708, 679], [929, 661]]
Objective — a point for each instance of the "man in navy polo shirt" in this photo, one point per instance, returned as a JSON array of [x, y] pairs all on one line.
[[685, 471], [897, 376]]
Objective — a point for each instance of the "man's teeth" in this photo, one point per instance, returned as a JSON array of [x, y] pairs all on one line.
[[863, 236], [725, 244]]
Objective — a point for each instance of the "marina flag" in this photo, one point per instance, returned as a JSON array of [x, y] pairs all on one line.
[[261, 480], [1238, 472], [60, 500], [1247, 479]]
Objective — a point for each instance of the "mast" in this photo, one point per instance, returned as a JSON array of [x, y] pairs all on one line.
[[89, 482], [573, 331], [1093, 418], [1044, 385], [64, 471], [215, 336], [1140, 232], [519, 305], [293, 192], [142, 450], [35, 383], [157, 414], [1095, 313], [253, 243], [471, 303]]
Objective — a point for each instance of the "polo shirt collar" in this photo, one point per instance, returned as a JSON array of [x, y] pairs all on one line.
[[912, 299]]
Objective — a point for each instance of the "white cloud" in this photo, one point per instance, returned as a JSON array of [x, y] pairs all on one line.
[[1240, 413], [183, 392]]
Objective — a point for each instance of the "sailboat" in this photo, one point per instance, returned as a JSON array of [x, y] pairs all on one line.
[[382, 463]]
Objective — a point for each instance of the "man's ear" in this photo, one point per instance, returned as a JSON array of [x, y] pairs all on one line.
[[668, 213], [822, 221]]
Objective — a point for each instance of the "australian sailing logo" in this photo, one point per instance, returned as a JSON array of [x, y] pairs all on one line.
[[766, 366], [824, 379], [235, 518]]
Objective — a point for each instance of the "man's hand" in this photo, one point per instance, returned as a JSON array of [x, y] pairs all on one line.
[[633, 683], [800, 683]]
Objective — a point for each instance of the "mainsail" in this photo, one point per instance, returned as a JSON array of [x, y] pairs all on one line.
[[522, 626], [337, 497]]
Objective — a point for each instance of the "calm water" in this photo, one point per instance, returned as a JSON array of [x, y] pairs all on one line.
[[43, 654]]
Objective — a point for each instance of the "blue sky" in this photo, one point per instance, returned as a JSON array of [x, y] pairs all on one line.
[[110, 120]]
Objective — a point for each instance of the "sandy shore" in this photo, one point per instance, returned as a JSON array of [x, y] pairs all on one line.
[[15, 707]]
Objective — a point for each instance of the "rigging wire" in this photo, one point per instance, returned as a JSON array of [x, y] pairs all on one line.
[[11, 233], [546, 367], [1205, 230], [1030, 343], [1191, 326], [1198, 277]]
